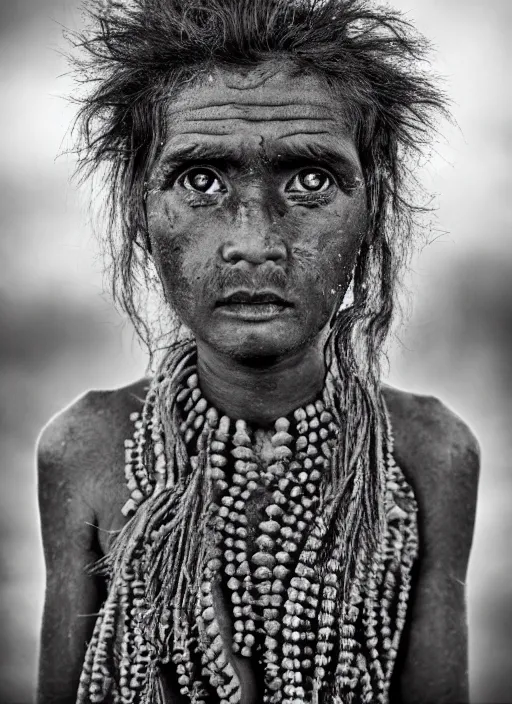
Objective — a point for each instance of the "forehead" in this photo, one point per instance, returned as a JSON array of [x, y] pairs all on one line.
[[246, 110]]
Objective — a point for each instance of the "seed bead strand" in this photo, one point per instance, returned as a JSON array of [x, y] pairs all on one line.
[[139, 655], [279, 529], [365, 680], [237, 566], [271, 559], [221, 674], [305, 585], [217, 449], [163, 478], [326, 616], [393, 551], [136, 473], [297, 618], [404, 542], [84, 687], [409, 537], [129, 636], [325, 636], [195, 407], [205, 625], [231, 523], [100, 677], [372, 629], [182, 659], [351, 670], [388, 599], [301, 609]]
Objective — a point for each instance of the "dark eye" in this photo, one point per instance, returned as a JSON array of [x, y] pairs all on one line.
[[310, 181], [202, 180]]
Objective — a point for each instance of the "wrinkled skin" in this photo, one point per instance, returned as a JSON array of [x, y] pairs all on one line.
[[258, 187]]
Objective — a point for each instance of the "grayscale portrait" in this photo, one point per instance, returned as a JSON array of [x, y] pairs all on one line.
[[255, 341]]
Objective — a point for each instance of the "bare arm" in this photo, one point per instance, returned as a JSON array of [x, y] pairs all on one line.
[[433, 662], [70, 547]]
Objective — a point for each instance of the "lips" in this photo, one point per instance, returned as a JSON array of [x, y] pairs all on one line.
[[253, 306], [243, 297]]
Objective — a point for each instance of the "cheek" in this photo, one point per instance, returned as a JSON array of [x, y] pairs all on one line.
[[178, 256], [330, 240], [342, 242]]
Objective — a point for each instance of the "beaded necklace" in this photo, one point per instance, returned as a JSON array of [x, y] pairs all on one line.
[[317, 607]]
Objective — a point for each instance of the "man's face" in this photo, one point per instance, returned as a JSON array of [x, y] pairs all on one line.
[[256, 210]]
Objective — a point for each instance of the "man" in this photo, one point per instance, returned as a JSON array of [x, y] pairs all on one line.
[[285, 528]]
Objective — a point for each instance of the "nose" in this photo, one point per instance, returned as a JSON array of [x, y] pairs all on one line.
[[253, 238]]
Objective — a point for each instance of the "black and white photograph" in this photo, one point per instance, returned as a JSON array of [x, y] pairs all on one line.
[[255, 352]]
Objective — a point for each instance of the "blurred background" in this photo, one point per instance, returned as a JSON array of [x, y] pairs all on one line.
[[59, 334]]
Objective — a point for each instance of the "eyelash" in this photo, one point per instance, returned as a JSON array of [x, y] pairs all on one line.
[[197, 198], [183, 175], [322, 198]]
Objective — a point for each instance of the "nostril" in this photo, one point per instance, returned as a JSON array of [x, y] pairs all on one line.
[[231, 255], [253, 252]]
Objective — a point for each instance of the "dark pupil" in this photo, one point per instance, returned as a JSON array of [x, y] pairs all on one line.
[[312, 180], [201, 180]]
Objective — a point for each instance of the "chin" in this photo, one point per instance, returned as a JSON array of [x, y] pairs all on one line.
[[260, 347]]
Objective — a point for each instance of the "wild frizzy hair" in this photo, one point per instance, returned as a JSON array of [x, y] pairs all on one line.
[[133, 57]]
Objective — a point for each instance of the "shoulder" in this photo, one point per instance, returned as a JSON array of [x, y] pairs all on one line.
[[81, 448], [94, 415], [92, 418], [424, 427], [440, 457], [430, 436]]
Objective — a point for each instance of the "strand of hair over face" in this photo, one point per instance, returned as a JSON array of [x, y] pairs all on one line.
[[133, 57]]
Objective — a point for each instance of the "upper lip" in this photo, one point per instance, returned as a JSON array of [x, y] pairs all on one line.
[[248, 296]]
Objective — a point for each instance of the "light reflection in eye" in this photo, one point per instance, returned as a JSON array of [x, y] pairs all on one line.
[[310, 181], [202, 180]]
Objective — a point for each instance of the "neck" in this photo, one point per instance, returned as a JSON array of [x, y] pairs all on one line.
[[261, 393]]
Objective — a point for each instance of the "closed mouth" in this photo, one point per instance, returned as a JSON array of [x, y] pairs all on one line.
[[253, 307], [253, 298]]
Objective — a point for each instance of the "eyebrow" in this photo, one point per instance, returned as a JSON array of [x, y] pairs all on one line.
[[294, 154], [277, 154], [180, 156]]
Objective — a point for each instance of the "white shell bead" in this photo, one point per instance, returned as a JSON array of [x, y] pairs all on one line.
[[301, 443], [269, 527], [283, 557], [192, 381], [282, 425], [263, 573], [272, 627], [242, 453], [282, 453], [280, 572], [263, 559], [281, 438], [265, 542]]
